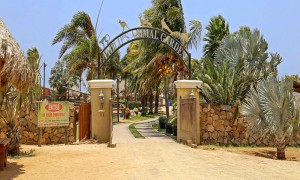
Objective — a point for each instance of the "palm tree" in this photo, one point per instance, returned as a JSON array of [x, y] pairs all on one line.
[[216, 31], [272, 110], [79, 36], [240, 62], [155, 59], [34, 93]]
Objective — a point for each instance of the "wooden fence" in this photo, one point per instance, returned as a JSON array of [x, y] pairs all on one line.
[[84, 120], [188, 121]]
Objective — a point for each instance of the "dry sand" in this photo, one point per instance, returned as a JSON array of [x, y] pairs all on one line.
[[150, 158]]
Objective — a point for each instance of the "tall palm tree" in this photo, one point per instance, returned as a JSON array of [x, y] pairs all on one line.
[[79, 36], [33, 93], [271, 109], [217, 29], [157, 60]]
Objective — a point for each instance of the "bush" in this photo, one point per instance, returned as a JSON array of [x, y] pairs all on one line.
[[169, 128], [162, 120], [174, 130], [133, 104]]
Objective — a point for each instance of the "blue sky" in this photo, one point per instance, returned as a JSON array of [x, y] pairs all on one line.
[[34, 23]]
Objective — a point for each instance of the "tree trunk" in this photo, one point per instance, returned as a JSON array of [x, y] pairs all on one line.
[[118, 99], [281, 152], [166, 97], [144, 101], [125, 93], [156, 101], [151, 103], [14, 146]]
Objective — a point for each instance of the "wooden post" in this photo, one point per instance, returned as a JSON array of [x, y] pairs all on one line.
[[66, 135], [40, 137], [111, 126]]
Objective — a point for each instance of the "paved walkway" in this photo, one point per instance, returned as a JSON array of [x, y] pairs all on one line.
[[151, 134], [121, 133]]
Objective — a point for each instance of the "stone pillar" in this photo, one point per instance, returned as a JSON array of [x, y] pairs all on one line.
[[184, 89], [100, 122]]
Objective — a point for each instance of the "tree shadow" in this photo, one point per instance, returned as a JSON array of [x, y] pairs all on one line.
[[266, 154], [11, 171], [270, 154], [14, 169]]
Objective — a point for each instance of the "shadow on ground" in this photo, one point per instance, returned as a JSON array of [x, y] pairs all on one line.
[[270, 154], [13, 170]]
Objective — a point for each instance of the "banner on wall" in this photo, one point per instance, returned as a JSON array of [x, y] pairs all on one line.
[[52, 114]]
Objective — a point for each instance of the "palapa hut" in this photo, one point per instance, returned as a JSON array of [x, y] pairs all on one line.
[[296, 86], [14, 68]]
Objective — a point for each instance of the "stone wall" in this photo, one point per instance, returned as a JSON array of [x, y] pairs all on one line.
[[216, 128], [29, 132]]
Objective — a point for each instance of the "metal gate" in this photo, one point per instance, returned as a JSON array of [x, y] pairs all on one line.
[[188, 121], [84, 120]]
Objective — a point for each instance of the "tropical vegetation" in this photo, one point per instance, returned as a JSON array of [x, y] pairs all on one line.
[[153, 66], [19, 84], [240, 62], [272, 110], [60, 80]]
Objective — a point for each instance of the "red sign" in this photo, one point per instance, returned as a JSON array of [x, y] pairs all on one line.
[[53, 107]]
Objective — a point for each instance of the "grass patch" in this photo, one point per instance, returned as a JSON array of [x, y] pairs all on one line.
[[24, 154], [155, 126], [141, 118], [134, 132]]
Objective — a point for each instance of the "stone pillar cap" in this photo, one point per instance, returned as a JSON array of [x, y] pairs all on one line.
[[103, 83], [188, 83]]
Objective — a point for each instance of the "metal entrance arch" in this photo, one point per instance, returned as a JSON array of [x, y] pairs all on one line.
[[140, 33]]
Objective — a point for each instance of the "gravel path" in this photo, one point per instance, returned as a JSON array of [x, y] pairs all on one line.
[[150, 158]]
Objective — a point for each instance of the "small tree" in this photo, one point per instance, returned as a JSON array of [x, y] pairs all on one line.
[[60, 79], [271, 108]]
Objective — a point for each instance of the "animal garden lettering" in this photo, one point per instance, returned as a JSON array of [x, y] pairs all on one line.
[[110, 47], [137, 34]]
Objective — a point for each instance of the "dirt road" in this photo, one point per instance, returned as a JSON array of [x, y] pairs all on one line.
[[149, 158]]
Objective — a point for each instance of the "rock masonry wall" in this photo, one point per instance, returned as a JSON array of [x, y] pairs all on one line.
[[216, 128], [29, 131]]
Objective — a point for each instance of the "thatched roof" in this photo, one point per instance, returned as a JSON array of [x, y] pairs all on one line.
[[297, 86], [14, 67]]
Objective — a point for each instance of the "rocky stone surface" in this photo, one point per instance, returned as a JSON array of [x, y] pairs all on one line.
[[29, 131], [217, 127]]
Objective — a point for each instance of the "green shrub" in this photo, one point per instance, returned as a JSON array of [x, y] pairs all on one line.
[[169, 128], [162, 120], [174, 130], [133, 104]]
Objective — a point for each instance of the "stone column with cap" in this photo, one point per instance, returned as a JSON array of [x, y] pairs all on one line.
[[100, 121], [186, 88]]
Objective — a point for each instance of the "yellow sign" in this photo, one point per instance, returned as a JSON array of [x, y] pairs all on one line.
[[53, 114]]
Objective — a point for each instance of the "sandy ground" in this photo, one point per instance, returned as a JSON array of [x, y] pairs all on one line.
[[291, 153], [155, 157]]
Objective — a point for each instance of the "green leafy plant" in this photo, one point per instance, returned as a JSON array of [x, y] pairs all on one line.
[[162, 120], [272, 110]]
